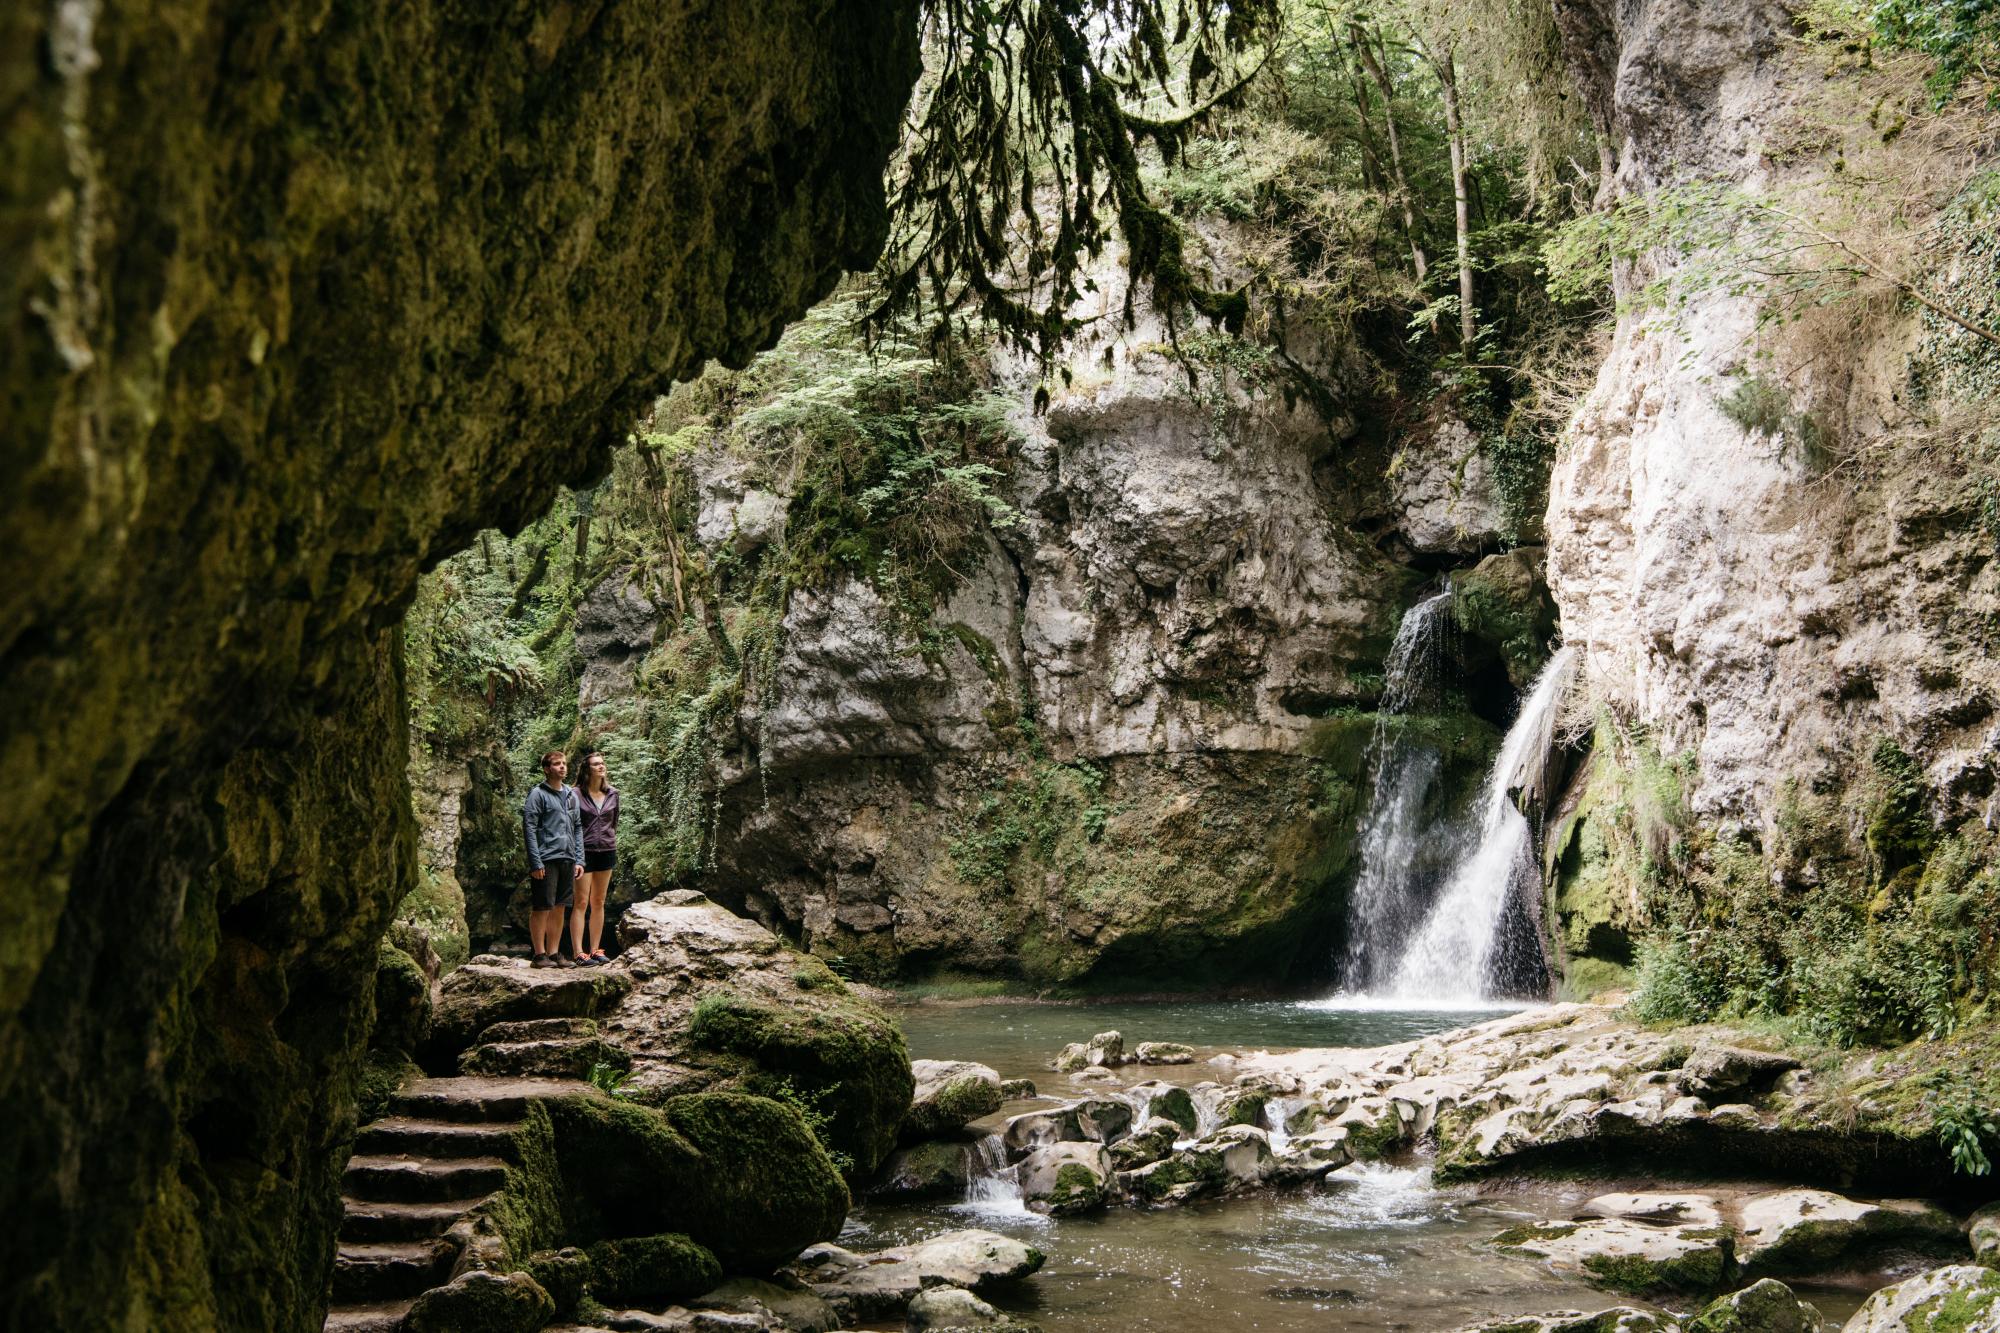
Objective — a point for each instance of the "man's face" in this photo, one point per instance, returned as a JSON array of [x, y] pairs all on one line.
[[556, 769]]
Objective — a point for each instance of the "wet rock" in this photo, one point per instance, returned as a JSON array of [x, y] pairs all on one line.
[[1145, 1145], [1092, 1120], [1810, 1231], [1065, 1178], [1375, 1127], [1106, 1049], [1162, 1053], [1960, 1298], [1629, 1256], [491, 1302], [1659, 1209], [1225, 1162], [1166, 1101], [1239, 1106], [874, 1286], [1094, 1074], [937, 1169], [944, 1309], [949, 1094], [1618, 1319], [787, 1304], [1017, 1089], [1767, 1306]]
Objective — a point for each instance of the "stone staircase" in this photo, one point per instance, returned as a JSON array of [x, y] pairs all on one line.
[[444, 1148]]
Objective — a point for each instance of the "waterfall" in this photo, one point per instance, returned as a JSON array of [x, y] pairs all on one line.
[[992, 1186], [1381, 911], [1451, 957]]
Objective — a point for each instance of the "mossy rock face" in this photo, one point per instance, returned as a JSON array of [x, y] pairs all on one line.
[[1174, 1103], [949, 1095], [490, 1302], [743, 1176], [563, 1274], [402, 1001], [280, 332], [1504, 603], [1959, 1298], [644, 1270], [1630, 1256], [717, 1005]]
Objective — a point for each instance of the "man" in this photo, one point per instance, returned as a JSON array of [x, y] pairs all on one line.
[[552, 824]]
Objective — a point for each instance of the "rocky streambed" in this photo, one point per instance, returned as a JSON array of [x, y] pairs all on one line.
[[717, 1132]]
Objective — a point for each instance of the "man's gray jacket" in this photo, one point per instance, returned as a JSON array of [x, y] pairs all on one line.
[[552, 825]]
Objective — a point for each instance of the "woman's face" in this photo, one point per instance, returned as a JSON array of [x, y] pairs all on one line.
[[597, 771]]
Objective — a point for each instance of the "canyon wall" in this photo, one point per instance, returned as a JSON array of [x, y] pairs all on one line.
[[296, 301]]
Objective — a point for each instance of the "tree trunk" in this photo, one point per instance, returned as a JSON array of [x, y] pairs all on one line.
[[1379, 72], [1454, 128]]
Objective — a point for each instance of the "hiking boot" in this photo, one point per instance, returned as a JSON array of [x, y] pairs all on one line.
[[541, 960], [565, 961]]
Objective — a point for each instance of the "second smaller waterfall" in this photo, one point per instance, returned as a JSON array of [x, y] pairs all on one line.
[[1452, 956]]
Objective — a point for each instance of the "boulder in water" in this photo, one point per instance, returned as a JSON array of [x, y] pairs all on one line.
[[1066, 1178], [1092, 1120], [1162, 1053], [1656, 1208], [947, 1309], [1811, 1231], [949, 1095], [1767, 1306], [1629, 1256], [1167, 1101], [1228, 1160], [1106, 1049], [1145, 1145], [1017, 1089], [867, 1287], [1959, 1298], [936, 1169], [782, 1305]]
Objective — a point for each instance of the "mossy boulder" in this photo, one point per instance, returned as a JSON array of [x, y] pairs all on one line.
[[1959, 1298], [718, 1005], [936, 1169], [402, 1001], [1802, 1231], [649, 1270], [1629, 1256], [489, 1302], [563, 1274], [949, 1095], [742, 1176], [1767, 1306], [1065, 1178], [1169, 1102]]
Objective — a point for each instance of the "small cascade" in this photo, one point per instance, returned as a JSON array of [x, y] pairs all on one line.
[[1385, 905], [992, 1186], [1452, 957]]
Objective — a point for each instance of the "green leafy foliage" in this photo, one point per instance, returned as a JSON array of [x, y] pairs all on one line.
[[1962, 36]]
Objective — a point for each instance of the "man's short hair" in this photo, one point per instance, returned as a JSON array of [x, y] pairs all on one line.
[[551, 757]]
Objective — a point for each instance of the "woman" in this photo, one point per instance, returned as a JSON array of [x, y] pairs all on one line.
[[598, 800]]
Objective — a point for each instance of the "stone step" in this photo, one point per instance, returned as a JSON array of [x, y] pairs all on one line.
[[560, 1057], [374, 1317], [389, 1270], [407, 1136], [540, 1029], [405, 1179], [380, 1219], [468, 1099]]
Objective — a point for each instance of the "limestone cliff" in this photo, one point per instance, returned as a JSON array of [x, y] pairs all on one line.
[[1765, 544], [296, 301]]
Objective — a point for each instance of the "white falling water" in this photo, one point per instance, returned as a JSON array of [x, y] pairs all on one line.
[[1449, 959], [992, 1187], [1379, 907]]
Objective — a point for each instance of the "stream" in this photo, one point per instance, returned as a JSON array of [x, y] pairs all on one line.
[[1375, 1247]]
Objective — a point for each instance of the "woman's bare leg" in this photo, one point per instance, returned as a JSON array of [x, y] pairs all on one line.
[[600, 887]]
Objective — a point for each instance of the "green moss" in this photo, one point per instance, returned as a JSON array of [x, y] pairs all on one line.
[[488, 1301], [1244, 1107], [1077, 1189], [383, 1074], [1201, 1169], [436, 906], [647, 1270], [1515, 1237], [846, 1057], [563, 1274], [959, 1102], [1958, 1311], [1703, 1270], [402, 1001], [1176, 1105], [1503, 604], [741, 1175]]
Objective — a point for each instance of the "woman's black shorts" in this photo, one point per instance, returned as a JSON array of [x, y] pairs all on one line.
[[596, 861]]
